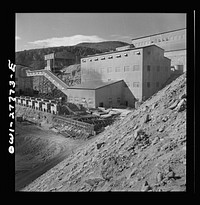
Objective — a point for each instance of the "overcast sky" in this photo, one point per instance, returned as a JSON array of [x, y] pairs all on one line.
[[39, 30]]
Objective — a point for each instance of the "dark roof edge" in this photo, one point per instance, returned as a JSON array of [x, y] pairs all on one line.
[[97, 87], [176, 50], [158, 33], [129, 49], [109, 84]]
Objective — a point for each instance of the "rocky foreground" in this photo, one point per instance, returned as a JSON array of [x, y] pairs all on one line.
[[145, 151]]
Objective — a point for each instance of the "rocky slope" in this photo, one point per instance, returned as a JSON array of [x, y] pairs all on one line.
[[145, 151]]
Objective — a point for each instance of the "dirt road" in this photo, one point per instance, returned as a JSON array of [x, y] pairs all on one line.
[[37, 151]]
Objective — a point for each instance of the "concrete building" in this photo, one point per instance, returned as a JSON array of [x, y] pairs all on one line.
[[23, 84], [94, 94], [173, 43], [144, 70], [56, 61]]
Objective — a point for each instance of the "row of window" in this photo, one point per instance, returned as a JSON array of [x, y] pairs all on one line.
[[158, 40], [109, 57], [80, 100], [117, 69], [90, 100], [137, 84], [157, 68]]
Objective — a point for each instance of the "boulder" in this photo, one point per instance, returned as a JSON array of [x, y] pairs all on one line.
[[146, 118], [156, 139], [145, 187], [181, 105], [171, 107], [161, 129], [183, 96], [159, 177], [99, 145]]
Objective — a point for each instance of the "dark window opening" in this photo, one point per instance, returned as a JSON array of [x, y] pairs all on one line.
[[148, 84], [101, 104], [148, 68]]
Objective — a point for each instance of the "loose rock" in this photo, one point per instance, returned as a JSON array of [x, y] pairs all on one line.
[[159, 177], [145, 187], [181, 105], [173, 105], [161, 129]]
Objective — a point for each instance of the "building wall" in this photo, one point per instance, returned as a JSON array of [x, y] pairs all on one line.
[[23, 84], [173, 42], [82, 96], [130, 66], [110, 95], [178, 59], [156, 70], [122, 65]]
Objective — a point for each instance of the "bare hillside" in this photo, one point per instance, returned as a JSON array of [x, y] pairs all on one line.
[[145, 151]]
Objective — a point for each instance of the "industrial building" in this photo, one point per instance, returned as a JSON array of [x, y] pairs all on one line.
[[23, 84], [144, 70], [94, 94], [56, 61], [173, 43]]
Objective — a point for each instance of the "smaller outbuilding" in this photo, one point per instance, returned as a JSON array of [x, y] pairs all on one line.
[[93, 94]]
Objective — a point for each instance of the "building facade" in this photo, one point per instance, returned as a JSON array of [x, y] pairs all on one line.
[[173, 43], [144, 70], [94, 94]]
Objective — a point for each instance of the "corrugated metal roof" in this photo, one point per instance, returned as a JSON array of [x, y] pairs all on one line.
[[93, 85]]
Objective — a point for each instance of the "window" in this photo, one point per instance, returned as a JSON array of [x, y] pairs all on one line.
[[76, 99], [157, 84], [83, 60], [117, 69], [103, 58], [90, 100], [158, 68], [138, 53], [148, 84], [96, 59], [109, 70], [110, 57], [125, 54], [136, 67], [118, 56], [148, 68], [90, 60], [126, 68], [118, 100], [70, 98], [136, 84]]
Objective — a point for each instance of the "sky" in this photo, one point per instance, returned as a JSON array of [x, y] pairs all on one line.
[[41, 30]]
